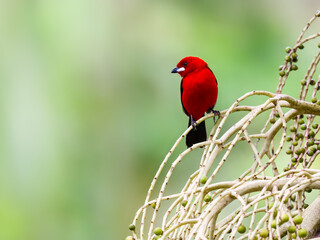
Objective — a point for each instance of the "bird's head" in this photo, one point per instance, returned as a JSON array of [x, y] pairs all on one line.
[[189, 65]]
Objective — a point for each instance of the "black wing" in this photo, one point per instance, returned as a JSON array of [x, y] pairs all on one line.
[[214, 76], [181, 90]]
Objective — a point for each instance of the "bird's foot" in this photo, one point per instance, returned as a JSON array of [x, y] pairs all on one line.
[[216, 114], [193, 122]]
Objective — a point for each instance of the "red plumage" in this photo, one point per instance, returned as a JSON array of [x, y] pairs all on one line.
[[199, 92]]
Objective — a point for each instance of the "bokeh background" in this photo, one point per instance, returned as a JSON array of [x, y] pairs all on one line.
[[89, 107]]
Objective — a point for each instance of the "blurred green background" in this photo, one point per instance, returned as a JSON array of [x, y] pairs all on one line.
[[89, 107]]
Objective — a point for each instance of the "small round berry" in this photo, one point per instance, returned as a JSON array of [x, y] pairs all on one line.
[[284, 218], [294, 160], [303, 82], [305, 205], [315, 126], [287, 58], [302, 232], [293, 235], [295, 143], [241, 229], [132, 227], [272, 120], [310, 143], [158, 231], [294, 67], [294, 55], [288, 139], [184, 203], [308, 190], [264, 233], [297, 219], [312, 82], [303, 127], [274, 224], [288, 151], [282, 73], [311, 134], [293, 129], [310, 153], [203, 179], [314, 100], [301, 46], [288, 49], [318, 103], [277, 115], [207, 198], [292, 229], [300, 135]]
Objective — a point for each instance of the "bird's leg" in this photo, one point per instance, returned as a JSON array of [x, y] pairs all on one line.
[[193, 122], [215, 112]]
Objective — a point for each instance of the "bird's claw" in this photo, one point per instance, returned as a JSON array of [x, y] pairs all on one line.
[[193, 123]]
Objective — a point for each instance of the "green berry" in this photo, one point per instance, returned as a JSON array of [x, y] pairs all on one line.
[[203, 179], [293, 129], [288, 49], [297, 219], [314, 100], [294, 67], [293, 235], [315, 126], [282, 73], [301, 46], [301, 121], [207, 198], [310, 153], [184, 203], [288, 139], [277, 115], [241, 229], [255, 238], [303, 82], [312, 82], [272, 120], [302, 232], [294, 55], [318, 147], [284, 218], [308, 190], [274, 224], [286, 169], [295, 143], [264, 233], [310, 143], [132, 227], [294, 160], [311, 134], [318, 103], [319, 45], [288, 151], [300, 135], [287, 58], [292, 229], [158, 231], [305, 205], [303, 127]]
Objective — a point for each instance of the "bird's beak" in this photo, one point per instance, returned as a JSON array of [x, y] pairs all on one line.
[[176, 70]]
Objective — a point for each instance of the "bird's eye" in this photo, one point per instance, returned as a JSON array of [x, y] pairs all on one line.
[[185, 64]]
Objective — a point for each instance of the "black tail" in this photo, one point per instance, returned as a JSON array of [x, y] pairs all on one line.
[[196, 135]]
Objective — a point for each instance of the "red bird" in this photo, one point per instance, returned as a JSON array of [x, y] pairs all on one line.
[[199, 92]]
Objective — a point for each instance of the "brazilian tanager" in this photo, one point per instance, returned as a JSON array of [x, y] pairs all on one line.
[[199, 92]]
